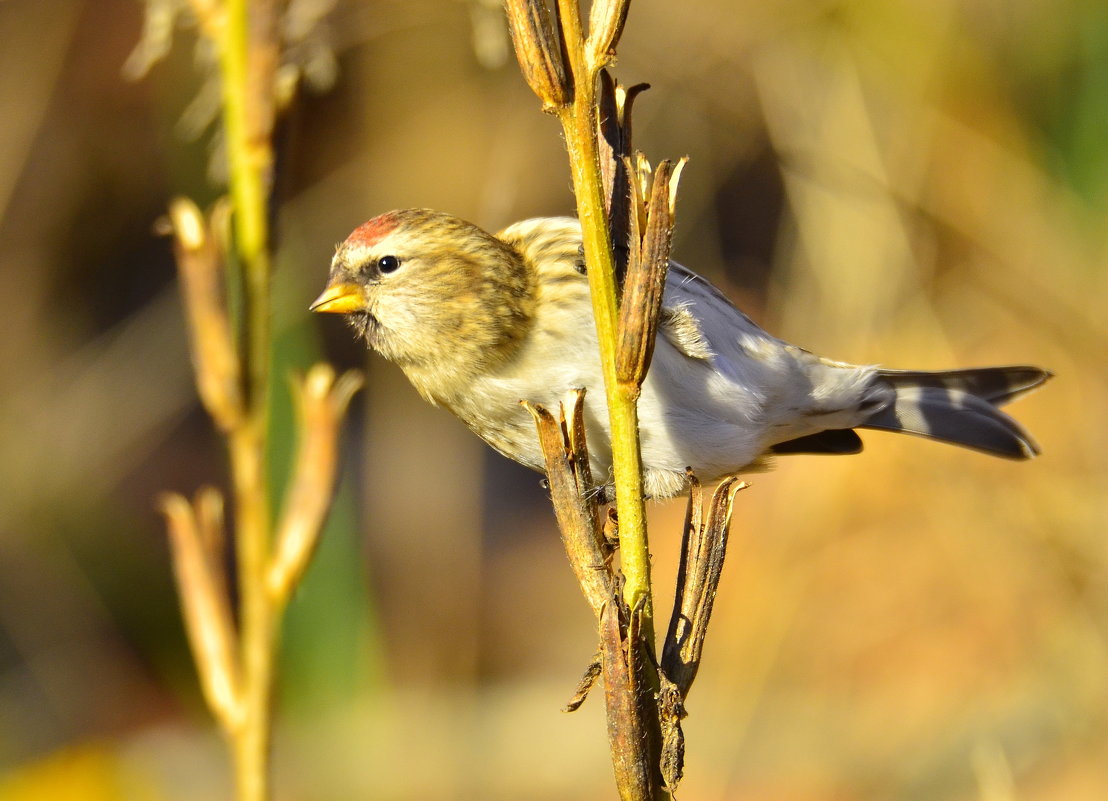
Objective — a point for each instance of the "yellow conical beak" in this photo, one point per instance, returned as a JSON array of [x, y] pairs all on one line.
[[339, 299]]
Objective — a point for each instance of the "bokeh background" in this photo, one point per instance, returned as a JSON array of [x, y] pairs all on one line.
[[923, 185]]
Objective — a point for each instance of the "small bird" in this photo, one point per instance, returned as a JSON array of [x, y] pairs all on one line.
[[480, 322]]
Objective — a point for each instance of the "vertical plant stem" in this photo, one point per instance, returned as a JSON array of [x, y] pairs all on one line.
[[249, 156], [631, 712], [258, 630], [579, 124], [237, 664]]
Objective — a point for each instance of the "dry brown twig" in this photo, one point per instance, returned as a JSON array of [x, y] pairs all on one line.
[[644, 719], [627, 216]]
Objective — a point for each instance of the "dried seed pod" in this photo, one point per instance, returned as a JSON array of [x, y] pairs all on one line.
[[614, 142], [200, 265], [703, 548], [606, 21], [566, 457], [539, 52], [321, 400], [204, 604], [645, 282]]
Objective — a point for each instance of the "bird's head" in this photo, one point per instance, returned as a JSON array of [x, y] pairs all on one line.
[[433, 293]]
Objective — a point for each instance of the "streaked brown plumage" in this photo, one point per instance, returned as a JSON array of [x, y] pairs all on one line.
[[479, 322]]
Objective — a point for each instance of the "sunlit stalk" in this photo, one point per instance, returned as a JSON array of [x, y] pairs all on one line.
[[248, 154], [579, 124]]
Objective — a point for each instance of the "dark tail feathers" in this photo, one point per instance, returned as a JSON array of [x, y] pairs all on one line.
[[960, 407]]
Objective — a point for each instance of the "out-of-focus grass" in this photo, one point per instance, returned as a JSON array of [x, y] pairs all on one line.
[[919, 185]]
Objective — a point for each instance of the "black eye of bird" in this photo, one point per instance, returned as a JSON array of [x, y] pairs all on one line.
[[388, 264]]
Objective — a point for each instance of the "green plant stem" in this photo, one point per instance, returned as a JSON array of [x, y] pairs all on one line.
[[258, 624], [248, 158], [579, 124]]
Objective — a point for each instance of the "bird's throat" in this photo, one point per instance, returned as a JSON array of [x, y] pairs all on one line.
[[366, 326]]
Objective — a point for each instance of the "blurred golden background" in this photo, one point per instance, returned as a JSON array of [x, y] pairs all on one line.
[[923, 185]]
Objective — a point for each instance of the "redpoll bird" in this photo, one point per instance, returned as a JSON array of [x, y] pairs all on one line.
[[480, 322]]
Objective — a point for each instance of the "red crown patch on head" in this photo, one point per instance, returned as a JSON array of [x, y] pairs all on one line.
[[370, 233]]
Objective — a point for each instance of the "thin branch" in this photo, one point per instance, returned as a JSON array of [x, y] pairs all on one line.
[[205, 608], [320, 402]]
